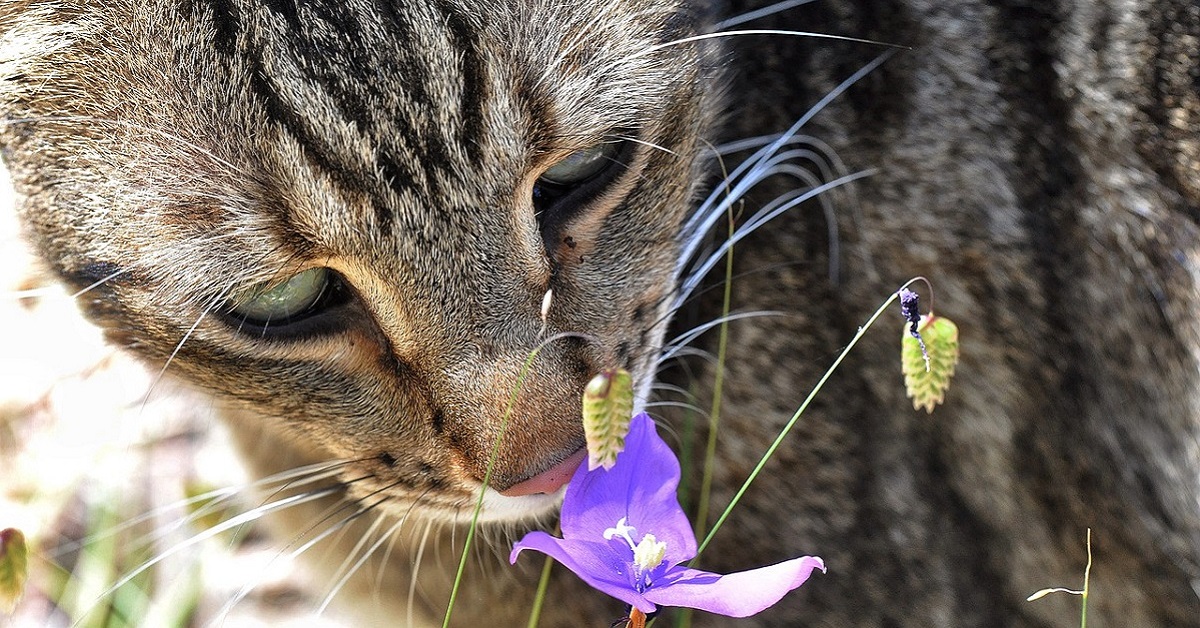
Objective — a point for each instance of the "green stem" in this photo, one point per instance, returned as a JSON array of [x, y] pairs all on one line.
[[535, 614], [487, 480], [714, 417], [687, 438], [791, 423], [714, 421]]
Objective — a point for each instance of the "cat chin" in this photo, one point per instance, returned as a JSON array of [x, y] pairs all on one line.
[[499, 508]]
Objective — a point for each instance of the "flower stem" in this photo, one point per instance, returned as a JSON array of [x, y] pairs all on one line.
[[714, 417], [795, 417], [487, 480], [684, 619], [535, 614]]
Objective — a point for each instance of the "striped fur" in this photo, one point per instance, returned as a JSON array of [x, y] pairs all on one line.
[[1038, 161]]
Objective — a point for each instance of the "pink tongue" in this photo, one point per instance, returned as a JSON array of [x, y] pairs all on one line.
[[549, 480]]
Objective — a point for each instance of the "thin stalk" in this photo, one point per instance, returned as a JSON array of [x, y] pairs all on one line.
[[714, 419], [487, 480], [792, 422], [686, 440], [710, 452], [538, 600], [1087, 576]]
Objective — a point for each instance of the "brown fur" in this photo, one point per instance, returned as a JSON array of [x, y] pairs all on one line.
[[1038, 163]]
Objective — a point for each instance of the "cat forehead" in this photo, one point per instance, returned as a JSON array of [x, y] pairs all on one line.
[[419, 69], [246, 119], [401, 104]]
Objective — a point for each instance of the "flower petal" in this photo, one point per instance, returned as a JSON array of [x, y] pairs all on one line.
[[735, 595], [640, 487], [597, 564]]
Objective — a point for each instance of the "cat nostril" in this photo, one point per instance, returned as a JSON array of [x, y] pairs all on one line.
[[550, 480]]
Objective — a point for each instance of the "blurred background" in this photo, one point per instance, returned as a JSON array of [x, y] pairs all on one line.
[[105, 468]]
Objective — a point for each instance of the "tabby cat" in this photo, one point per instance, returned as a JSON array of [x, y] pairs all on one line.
[[342, 220]]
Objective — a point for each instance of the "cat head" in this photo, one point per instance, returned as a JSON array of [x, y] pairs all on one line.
[[355, 222]]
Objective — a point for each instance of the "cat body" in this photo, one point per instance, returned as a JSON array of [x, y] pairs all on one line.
[[426, 166]]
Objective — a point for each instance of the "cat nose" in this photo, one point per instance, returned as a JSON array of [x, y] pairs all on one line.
[[549, 480]]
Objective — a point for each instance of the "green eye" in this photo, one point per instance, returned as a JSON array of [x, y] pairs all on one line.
[[581, 165], [266, 303]]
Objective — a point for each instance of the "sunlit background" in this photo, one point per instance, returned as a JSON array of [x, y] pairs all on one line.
[[98, 458]]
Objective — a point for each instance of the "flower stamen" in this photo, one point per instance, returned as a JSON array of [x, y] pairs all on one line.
[[649, 553], [623, 530]]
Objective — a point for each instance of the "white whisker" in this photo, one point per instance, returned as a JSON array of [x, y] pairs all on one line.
[[677, 404], [750, 16], [214, 498], [676, 344], [416, 569], [702, 221], [763, 31], [234, 522], [338, 526], [350, 566], [649, 144], [762, 217]]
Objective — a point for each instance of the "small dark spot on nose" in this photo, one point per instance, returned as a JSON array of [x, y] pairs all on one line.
[[438, 422], [623, 353], [639, 313], [388, 460]]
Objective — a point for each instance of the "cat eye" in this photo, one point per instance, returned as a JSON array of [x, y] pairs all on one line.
[[578, 175], [581, 165], [278, 304]]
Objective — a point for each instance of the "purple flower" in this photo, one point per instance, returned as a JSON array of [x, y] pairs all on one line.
[[910, 308], [625, 534]]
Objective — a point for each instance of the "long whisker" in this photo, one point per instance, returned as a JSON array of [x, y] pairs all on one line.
[[689, 352], [390, 534], [412, 584], [234, 522], [777, 165], [214, 498], [785, 202], [750, 16], [349, 564], [762, 31], [327, 514], [703, 221], [677, 404], [672, 347], [387, 554], [163, 371], [648, 144], [769, 212]]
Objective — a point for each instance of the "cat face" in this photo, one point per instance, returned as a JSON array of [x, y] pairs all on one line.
[[344, 219]]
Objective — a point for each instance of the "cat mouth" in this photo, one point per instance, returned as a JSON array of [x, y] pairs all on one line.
[[550, 480]]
